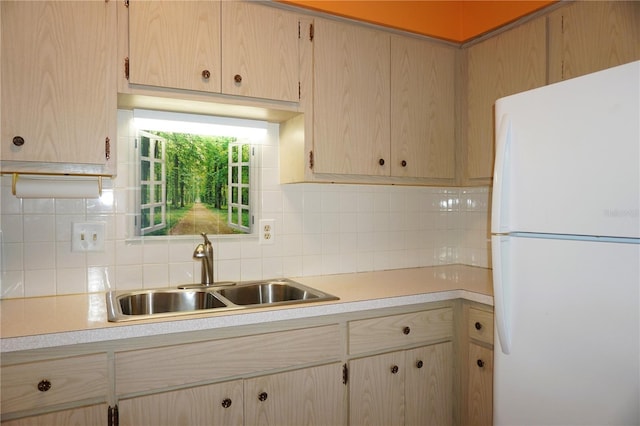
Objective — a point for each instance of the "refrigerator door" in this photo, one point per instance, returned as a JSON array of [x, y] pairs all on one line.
[[567, 157], [574, 327]]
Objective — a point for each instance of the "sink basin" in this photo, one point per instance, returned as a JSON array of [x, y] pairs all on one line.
[[122, 306], [272, 292], [156, 302], [145, 304]]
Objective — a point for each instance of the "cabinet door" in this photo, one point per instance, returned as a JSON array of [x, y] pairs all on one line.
[[586, 37], [480, 386], [93, 415], [218, 404], [311, 396], [175, 44], [259, 51], [376, 392], [351, 99], [508, 63], [429, 385], [58, 86], [422, 109]]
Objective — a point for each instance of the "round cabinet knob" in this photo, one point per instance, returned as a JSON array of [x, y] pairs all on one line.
[[381, 161], [18, 140], [403, 163], [406, 330], [262, 396], [394, 369], [226, 403], [44, 385], [419, 364], [480, 363], [237, 78], [206, 74], [478, 326]]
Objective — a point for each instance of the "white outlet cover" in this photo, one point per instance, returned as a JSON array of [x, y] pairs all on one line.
[[87, 236], [266, 231]]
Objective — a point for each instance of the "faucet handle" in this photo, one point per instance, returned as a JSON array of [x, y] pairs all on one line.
[[206, 240]]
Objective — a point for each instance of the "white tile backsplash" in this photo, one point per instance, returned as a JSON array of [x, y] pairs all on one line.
[[319, 229]]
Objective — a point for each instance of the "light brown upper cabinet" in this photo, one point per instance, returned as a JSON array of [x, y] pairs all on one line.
[[350, 99], [508, 63], [175, 44], [586, 37], [260, 51], [236, 48], [383, 105], [422, 109], [58, 84]]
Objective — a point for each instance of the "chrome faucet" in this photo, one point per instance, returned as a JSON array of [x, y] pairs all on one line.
[[204, 252]]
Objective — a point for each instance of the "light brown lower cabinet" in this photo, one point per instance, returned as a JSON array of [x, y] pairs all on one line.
[[478, 370], [93, 415], [386, 367], [480, 386], [55, 384], [310, 396], [217, 404], [412, 387]]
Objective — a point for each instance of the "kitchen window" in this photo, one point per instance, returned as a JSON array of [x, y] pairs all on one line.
[[194, 174]]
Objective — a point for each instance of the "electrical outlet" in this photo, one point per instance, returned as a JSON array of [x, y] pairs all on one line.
[[267, 231], [87, 236]]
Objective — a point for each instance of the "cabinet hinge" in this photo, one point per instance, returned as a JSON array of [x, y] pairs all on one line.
[[112, 416], [311, 31], [311, 159], [126, 68], [345, 374], [107, 148]]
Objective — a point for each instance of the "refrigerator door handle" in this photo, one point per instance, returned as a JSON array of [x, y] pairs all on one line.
[[501, 289], [499, 205]]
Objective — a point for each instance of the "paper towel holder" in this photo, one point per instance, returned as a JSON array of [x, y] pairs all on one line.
[[14, 181]]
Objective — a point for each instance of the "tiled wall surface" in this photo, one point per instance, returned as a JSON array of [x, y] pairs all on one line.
[[320, 229]]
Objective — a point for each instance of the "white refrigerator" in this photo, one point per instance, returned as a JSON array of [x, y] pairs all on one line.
[[565, 241]]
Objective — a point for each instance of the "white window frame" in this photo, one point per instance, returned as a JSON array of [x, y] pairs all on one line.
[[240, 205], [153, 182]]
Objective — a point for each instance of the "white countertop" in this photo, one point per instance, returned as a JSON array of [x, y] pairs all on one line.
[[41, 322]]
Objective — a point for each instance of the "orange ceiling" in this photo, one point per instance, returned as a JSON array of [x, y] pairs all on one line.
[[454, 20]]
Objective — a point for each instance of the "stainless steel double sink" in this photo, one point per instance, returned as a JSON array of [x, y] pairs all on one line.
[[145, 304]]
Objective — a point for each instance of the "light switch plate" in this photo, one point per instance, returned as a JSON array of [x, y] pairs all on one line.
[[87, 236]]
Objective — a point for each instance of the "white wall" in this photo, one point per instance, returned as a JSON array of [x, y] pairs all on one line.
[[320, 229]]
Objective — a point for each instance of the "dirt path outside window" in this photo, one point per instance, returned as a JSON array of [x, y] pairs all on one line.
[[201, 219]]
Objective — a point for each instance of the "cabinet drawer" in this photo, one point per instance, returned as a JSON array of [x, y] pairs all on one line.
[[158, 368], [60, 381], [480, 325], [399, 330]]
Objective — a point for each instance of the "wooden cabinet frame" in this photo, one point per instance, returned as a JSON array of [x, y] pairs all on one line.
[[167, 368]]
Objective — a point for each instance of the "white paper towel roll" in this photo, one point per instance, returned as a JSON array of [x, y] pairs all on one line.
[[57, 187]]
